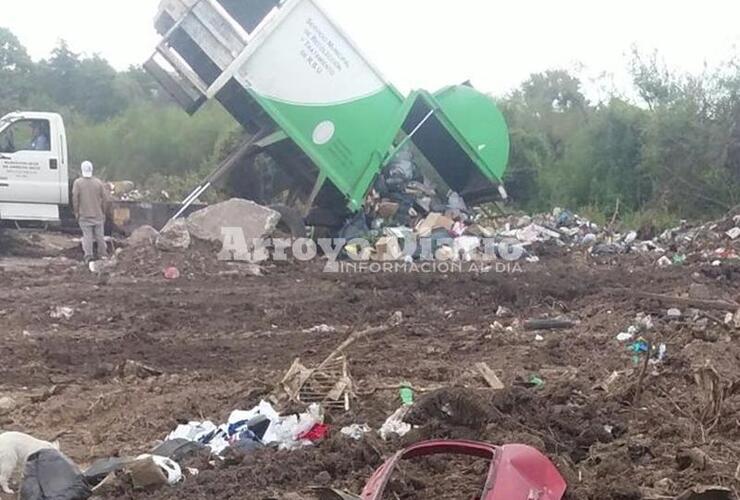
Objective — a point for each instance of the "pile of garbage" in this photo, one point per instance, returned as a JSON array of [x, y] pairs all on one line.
[[257, 428], [405, 205], [127, 191]]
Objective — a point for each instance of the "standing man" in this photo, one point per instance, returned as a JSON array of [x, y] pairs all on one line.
[[89, 200]]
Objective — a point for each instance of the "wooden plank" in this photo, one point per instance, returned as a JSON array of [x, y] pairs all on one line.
[[490, 376]]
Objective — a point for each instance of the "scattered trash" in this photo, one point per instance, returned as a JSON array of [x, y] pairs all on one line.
[[101, 267], [642, 346], [678, 260], [659, 354], [171, 273], [356, 431], [503, 311], [641, 325], [315, 433], [171, 469], [260, 426], [103, 468], [536, 381], [407, 395], [628, 335], [664, 262], [50, 475], [329, 384], [516, 471], [146, 473], [394, 425], [60, 312], [674, 313], [733, 233], [321, 329]]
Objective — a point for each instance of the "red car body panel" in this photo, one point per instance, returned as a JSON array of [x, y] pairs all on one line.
[[517, 472]]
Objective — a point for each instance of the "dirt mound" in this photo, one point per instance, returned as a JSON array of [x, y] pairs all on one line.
[[146, 260], [450, 408]]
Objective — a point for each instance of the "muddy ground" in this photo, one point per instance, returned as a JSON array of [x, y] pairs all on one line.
[[222, 339]]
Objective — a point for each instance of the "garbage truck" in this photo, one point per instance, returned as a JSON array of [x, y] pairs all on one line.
[[309, 100]]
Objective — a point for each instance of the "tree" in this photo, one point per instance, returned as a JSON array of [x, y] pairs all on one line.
[[15, 73], [85, 85], [543, 114], [602, 163]]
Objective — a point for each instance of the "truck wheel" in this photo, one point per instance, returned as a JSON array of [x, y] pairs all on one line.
[[291, 221]]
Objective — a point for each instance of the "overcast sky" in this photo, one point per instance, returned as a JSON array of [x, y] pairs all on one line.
[[431, 43]]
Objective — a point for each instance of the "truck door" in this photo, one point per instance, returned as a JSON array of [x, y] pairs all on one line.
[[29, 163]]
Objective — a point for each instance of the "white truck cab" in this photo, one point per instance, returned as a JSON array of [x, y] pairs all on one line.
[[34, 170]]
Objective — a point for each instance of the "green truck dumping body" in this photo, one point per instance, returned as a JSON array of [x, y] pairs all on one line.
[[297, 83]]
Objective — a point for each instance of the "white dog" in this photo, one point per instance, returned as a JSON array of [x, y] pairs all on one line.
[[15, 448]]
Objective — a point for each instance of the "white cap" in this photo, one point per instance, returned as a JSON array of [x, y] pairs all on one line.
[[87, 169]]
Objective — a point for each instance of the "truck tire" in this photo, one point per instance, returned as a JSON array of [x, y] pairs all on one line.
[[291, 221]]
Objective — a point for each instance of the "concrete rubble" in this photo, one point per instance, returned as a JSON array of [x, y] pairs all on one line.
[[174, 237], [254, 220], [144, 235]]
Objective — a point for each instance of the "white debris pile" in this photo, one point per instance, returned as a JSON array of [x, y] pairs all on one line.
[[258, 427]]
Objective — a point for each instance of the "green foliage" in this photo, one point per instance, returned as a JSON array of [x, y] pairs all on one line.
[[602, 161], [658, 219], [15, 73], [677, 154], [86, 85], [149, 139]]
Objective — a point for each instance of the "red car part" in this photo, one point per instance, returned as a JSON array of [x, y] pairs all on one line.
[[517, 472]]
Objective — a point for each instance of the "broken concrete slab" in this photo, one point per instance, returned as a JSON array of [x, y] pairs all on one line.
[[175, 237], [254, 220], [143, 236]]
